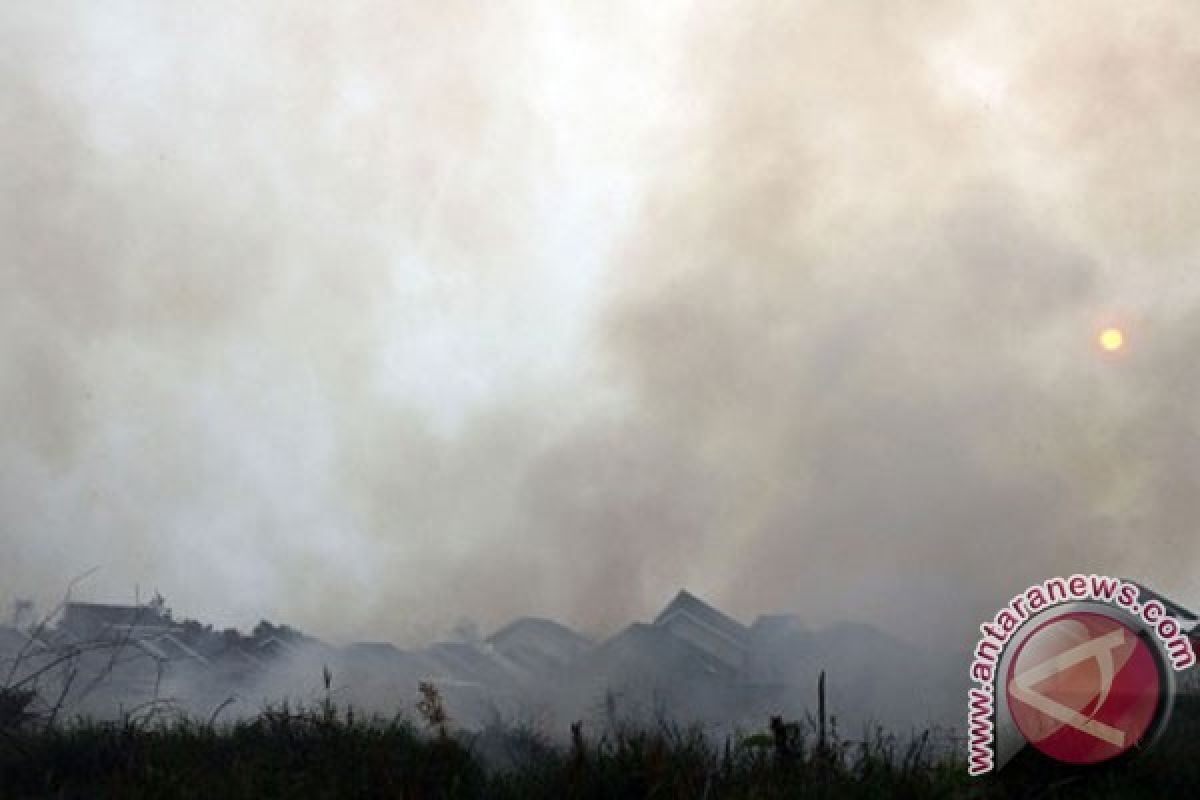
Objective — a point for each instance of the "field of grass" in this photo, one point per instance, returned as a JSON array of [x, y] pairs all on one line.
[[327, 752]]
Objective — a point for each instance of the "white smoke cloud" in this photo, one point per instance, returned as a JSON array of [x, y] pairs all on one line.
[[371, 316]]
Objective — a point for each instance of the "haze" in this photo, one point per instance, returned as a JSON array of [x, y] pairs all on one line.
[[371, 316]]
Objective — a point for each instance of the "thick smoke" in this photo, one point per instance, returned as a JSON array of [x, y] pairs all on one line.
[[367, 317]]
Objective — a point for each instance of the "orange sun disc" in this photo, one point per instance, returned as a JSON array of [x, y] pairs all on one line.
[[1112, 339]]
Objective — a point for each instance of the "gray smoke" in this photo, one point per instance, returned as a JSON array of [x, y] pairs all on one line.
[[371, 316]]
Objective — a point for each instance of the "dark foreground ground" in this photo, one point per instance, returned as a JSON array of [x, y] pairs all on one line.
[[327, 753]]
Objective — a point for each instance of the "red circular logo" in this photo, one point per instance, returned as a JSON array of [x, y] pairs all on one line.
[[1083, 688]]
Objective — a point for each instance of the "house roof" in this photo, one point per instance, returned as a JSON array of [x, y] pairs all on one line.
[[151, 648], [464, 660], [236, 654], [277, 645], [540, 627], [653, 653], [116, 615], [178, 650], [537, 644], [691, 607]]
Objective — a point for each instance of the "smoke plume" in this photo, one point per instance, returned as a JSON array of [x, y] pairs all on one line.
[[371, 316]]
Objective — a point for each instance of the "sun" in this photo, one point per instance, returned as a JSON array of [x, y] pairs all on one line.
[[1111, 339]]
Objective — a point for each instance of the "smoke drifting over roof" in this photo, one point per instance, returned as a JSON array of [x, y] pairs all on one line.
[[369, 316]]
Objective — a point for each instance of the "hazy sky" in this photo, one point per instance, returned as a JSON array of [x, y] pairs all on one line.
[[368, 316]]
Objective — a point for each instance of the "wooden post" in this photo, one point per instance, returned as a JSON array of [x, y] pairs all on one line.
[[821, 713]]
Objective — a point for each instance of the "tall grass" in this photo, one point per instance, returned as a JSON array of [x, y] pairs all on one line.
[[325, 752]]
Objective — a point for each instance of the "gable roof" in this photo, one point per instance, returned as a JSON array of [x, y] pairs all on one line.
[[541, 627], [468, 661], [537, 644], [652, 653], [177, 649], [152, 649], [688, 606], [275, 646]]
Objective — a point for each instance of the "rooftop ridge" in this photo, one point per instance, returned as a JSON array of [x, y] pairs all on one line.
[[685, 602]]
